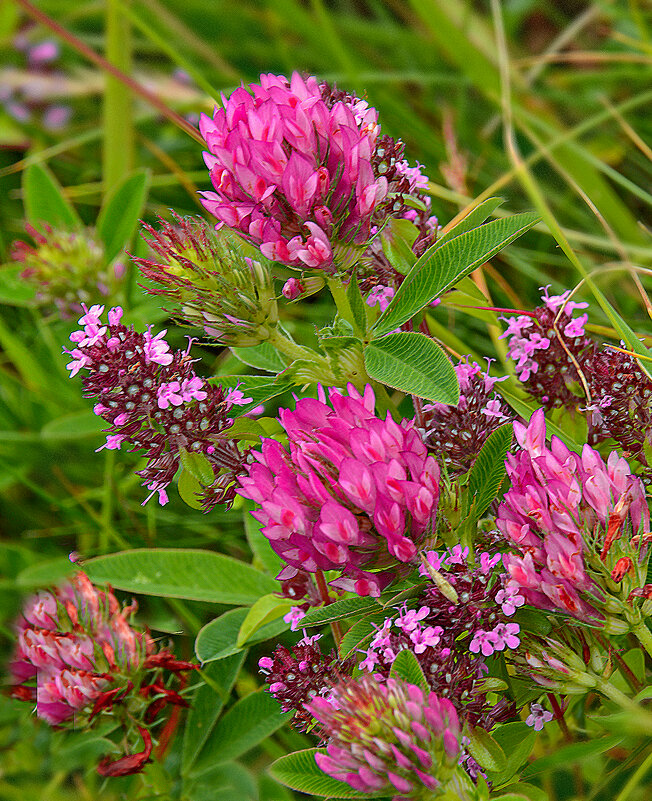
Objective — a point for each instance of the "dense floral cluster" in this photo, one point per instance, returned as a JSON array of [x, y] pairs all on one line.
[[388, 737], [78, 655], [66, 268], [570, 518], [548, 348], [153, 401], [455, 434], [214, 286], [463, 616], [301, 170], [354, 493], [620, 406], [560, 366], [296, 676]]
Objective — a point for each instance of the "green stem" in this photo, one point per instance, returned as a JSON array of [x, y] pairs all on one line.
[[338, 292], [641, 718], [644, 636], [293, 351], [118, 124], [635, 779], [107, 501]]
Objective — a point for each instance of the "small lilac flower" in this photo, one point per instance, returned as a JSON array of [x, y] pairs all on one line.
[[510, 599], [168, 394], [380, 296], [409, 619], [156, 349], [485, 641], [538, 717], [505, 634], [236, 397], [294, 617]]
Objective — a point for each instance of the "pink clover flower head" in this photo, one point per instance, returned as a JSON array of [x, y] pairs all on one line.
[[293, 168], [557, 503], [354, 493], [70, 643], [538, 717], [415, 736]]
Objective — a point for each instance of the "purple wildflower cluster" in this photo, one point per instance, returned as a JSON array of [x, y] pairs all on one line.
[[462, 618], [153, 401], [455, 434], [296, 676], [561, 367], [548, 347], [563, 513], [388, 737], [354, 493]]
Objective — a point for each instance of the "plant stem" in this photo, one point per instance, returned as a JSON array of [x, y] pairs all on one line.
[[289, 348], [118, 124], [107, 501], [338, 292], [641, 718], [323, 590], [644, 636]]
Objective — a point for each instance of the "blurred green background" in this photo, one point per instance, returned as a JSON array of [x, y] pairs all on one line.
[[547, 104]]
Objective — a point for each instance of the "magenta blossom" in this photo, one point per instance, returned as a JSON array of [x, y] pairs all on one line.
[[557, 504], [73, 644], [294, 168], [388, 737], [355, 493]]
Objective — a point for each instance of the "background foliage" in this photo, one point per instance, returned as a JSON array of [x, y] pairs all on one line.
[[546, 104]]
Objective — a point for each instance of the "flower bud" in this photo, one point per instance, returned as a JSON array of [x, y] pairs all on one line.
[[217, 287]]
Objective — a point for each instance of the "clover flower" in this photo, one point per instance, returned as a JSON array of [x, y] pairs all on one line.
[[455, 434], [388, 737], [459, 620], [354, 493], [296, 676], [228, 295], [78, 655], [66, 268], [154, 402], [300, 170], [572, 519]]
